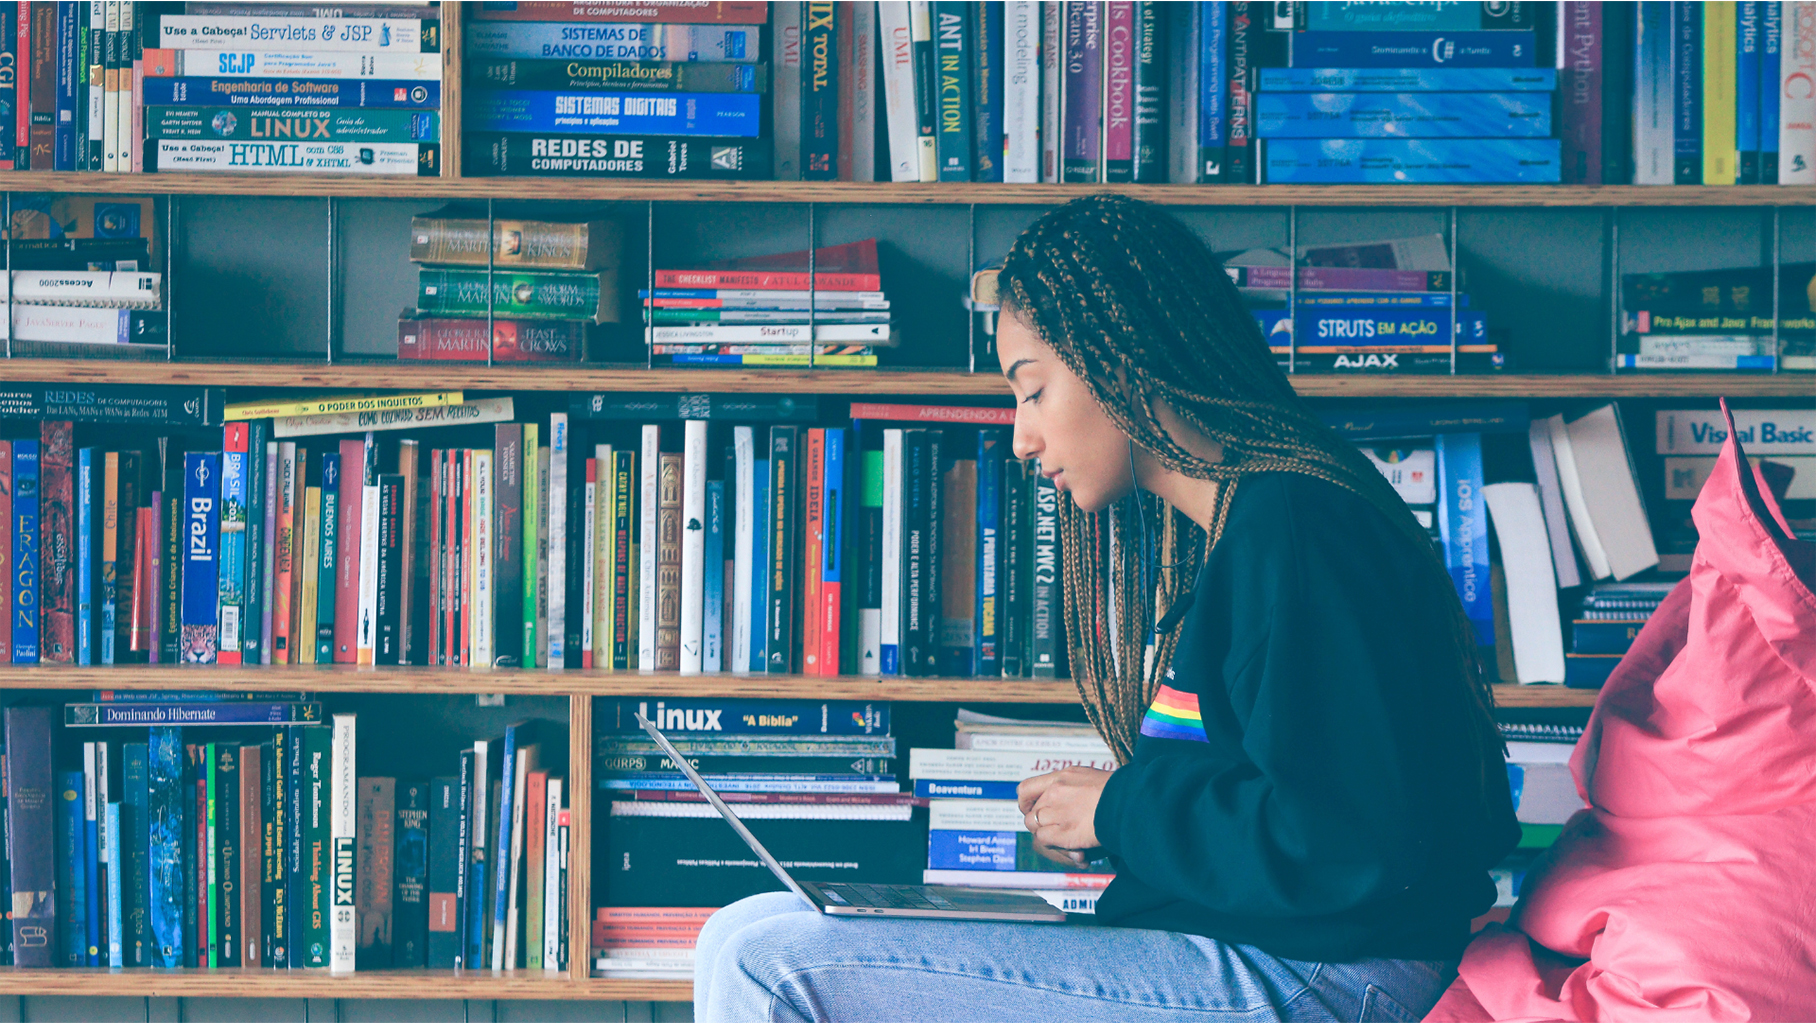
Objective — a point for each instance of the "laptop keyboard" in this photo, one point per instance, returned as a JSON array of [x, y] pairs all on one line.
[[899, 897]]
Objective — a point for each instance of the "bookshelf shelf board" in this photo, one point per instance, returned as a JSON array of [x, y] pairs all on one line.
[[893, 193], [424, 680], [473, 377], [639, 989], [1543, 696], [319, 984]]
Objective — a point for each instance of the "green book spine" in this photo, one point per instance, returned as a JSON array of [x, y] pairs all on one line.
[[531, 543], [325, 585], [543, 295], [214, 866], [251, 633], [318, 742]]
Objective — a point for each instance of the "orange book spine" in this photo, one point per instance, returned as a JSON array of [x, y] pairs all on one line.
[[286, 544]]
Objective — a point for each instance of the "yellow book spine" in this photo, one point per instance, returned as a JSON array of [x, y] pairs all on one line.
[[311, 571], [603, 561], [1721, 154], [339, 404]]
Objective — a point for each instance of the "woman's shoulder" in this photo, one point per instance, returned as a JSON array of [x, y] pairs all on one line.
[[1299, 500]]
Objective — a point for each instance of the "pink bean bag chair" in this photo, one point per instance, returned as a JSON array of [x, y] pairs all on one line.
[[1687, 890]]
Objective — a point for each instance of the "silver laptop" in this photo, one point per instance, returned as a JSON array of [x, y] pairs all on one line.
[[854, 899]]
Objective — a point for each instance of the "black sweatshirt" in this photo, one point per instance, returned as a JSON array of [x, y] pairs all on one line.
[[1328, 808]]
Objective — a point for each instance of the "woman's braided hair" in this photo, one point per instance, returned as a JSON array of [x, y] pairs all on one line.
[[1135, 305]]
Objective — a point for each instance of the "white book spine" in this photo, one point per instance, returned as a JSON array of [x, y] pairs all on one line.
[[1572, 486], [1797, 101], [479, 410], [1551, 500], [786, 87], [1021, 90], [743, 536], [541, 555], [647, 488], [132, 114], [364, 158], [890, 631], [1653, 104], [693, 543], [898, 90], [1762, 431], [504, 952], [334, 35], [1183, 69], [343, 925], [1052, 18], [96, 99], [368, 572], [552, 922], [110, 87], [270, 552], [106, 289], [557, 535], [851, 334], [1519, 527], [482, 557], [298, 62], [920, 25], [588, 514], [864, 93], [605, 610]]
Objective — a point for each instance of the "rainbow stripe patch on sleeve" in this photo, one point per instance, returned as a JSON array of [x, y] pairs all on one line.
[[1174, 716]]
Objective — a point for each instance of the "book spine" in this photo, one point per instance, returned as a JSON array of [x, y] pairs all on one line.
[[500, 891], [952, 82], [831, 565], [899, 91], [743, 545], [387, 642], [182, 120], [71, 840], [986, 652], [444, 873], [316, 811], [232, 32], [42, 94], [1462, 533], [533, 555], [1720, 159], [985, 23], [714, 610], [668, 544], [7, 605], [349, 545], [940, 467], [1687, 91], [919, 600], [720, 114], [343, 926], [86, 510], [64, 131], [56, 527], [473, 899], [134, 832], [1771, 57], [864, 631], [32, 859], [1045, 608], [1118, 92], [820, 74], [761, 565], [1426, 161], [1797, 106], [513, 341], [1494, 48], [692, 569], [890, 611], [485, 584], [1148, 94], [27, 567], [648, 539], [1747, 30], [1213, 67], [285, 551], [508, 479], [1011, 584], [786, 108], [554, 920], [168, 826], [250, 880], [374, 817], [12, 57], [926, 88], [785, 471], [200, 560], [232, 575], [1083, 99], [560, 547], [227, 854], [535, 811], [253, 514], [1020, 76], [813, 465], [599, 75], [268, 588], [410, 874], [274, 837]]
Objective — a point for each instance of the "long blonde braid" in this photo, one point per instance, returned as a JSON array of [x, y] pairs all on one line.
[[1135, 305]]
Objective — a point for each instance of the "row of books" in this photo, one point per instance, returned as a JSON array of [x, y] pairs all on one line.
[[130, 87], [1727, 318], [233, 846]]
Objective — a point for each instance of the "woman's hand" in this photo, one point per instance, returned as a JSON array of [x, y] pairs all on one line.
[[1061, 810]]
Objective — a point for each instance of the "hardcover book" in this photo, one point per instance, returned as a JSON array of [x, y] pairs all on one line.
[[201, 532]]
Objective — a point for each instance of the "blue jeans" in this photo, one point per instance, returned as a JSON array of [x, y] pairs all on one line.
[[771, 958]]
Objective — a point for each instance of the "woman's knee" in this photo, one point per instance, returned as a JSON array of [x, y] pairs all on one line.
[[747, 911]]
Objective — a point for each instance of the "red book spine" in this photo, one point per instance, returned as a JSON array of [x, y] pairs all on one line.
[[57, 523], [144, 570], [776, 280], [41, 114], [986, 415], [831, 590], [513, 341], [22, 103], [1579, 90], [814, 538], [6, 551], [450, 569], [469, 553], [731, 12], [286, 549], [346, 551], [234, 440], [1119, 91], [435, 557], [592, 477], [154, 578]]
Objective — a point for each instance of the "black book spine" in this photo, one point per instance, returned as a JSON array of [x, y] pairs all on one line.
[[784, 549], [135, 848], [916, 600], [272, 948], [576, 534], [1010, 585], [227, 851], [617, 156], [6, 869], [820, 92], [464, 831], [258, 432], [507, 543], [170, 586], [294, 870], [1045, 609], [934, 571], [442, 919], [388, 646], [952, 44], [194, 929], [410, 877], [29, 831], [1617, 96], [1148, 145]]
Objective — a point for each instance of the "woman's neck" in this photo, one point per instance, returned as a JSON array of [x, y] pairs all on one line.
[[1195, 497]]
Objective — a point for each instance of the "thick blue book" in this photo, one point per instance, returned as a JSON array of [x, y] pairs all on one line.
[[64, 151], [87, 510], [135, 851], [25, 545], [759, 566], [251, 630], [746, 716], [1411, 161], [721, 114], [1490, 49], [1412, 17], [1746, 89], [290, 93], [832, 553], [1386, 325], [201, 555], [207, 713], [72, 845], [514, 735], [953, 44], [605, 41], [1213, 92], [1403, 115], [1771, 43], [1604, 636], [1686, 90], [165, 830], [1463, 529], [712, 628], [1446, 79], [944, 788]]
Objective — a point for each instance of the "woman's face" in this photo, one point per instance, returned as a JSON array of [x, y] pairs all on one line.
[[1058, 422]]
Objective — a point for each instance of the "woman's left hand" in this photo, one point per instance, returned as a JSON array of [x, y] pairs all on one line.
[[1061, 807]]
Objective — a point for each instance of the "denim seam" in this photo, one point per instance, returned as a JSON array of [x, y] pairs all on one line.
[[1310, 980], [1161, 1005]]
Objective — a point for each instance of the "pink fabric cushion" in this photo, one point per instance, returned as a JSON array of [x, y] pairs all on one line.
[[1687, 889]]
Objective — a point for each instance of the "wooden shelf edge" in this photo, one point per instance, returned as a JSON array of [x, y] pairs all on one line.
[[894, 193], [1543, 696], [440, 376], [241, 983], [651, 989]]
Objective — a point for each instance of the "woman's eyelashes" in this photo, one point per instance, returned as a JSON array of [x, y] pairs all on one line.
[[1033, 398]]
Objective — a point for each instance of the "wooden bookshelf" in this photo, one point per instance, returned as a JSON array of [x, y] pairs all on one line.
[[451, 376]]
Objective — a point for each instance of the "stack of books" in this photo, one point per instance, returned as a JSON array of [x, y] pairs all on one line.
[[230, 87], [813, 780], [186, 844], [1409, 93], [977, 835], [550, 281], [773, 311], [1608, 619], [639, 90], [1723, 319], [82, 277], [1381, 306]]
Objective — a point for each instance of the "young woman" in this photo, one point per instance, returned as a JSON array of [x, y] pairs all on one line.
[[1311, 789]]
